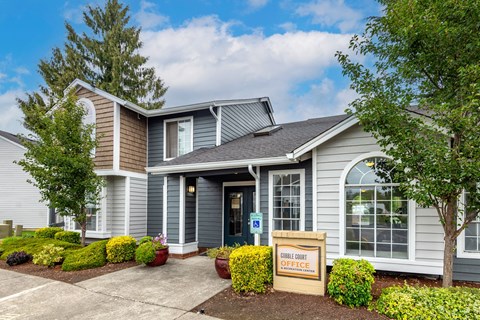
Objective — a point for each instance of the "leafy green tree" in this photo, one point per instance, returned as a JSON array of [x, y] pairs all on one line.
[[60, 161], [424, 56]]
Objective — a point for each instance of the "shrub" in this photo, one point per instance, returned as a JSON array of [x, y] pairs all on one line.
[[48, 232], [68, 236], [120, 249], [18, 257], [429, 303], [92, 256], [251, 268], [145, 253], [351, 282], [145, 239], [32, 246], [49, 256]]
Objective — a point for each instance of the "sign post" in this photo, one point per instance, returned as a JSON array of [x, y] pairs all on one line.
[[299, 262]]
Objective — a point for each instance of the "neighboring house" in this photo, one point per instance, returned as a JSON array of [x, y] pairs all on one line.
[[19, 200], [195, 173]]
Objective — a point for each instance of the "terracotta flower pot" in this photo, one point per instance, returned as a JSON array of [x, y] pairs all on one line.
[[222, 268], [161, 257]]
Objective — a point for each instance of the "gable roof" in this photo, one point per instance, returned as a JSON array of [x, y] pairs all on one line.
[[11, 138], [251, 149], [172, 109]]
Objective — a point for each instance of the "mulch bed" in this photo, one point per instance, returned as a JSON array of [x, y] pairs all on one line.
[[56, 273], [282, 305]]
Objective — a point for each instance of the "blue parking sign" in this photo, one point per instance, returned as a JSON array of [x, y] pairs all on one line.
[[256, 222]]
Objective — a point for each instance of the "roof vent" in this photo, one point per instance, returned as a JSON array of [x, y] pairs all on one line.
[[266, 131]]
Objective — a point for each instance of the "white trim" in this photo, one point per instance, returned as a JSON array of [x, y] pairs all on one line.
[[127, 206], [97, 234], [121, 173], [196, 210], [14, 143], [181, 211], [116, 136], [207, 166], [103, 209], [190, 118], [461, 253], [314, 191], [323, 137], [165, 206], [270, 198], [341, 234], [238, 183], [219, 127], [183, 248], [257, 237]]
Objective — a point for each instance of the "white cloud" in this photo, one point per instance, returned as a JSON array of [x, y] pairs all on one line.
[[203, 61], [10, 114], [332, 13], [22, 70], [147, 17], [257, 4], [73, 14], [288, 26]]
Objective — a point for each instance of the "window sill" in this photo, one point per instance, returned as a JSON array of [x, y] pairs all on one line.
[[96, 234], [468, 255]]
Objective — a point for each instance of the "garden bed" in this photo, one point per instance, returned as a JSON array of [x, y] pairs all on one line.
[[281, 305]]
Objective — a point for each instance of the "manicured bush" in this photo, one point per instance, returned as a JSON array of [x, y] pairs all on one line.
[[120, 249], [145, 253], [145, 239], [48, 232], [92, 256], [68, 236], [49, 256], [351, 282], [408, 302], [251, 268], [32, 245], [18, 257]]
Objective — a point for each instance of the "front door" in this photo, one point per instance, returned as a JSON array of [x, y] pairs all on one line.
[[239, 202]]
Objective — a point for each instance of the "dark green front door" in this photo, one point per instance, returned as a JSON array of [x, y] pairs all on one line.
[[238, 205]]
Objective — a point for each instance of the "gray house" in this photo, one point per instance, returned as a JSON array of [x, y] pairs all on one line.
[[195, 172]]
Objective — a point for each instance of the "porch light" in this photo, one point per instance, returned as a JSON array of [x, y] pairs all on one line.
[[191, 189]]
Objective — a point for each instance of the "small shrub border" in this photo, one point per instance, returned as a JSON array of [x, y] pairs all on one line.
[[68, 236], [32, 246], [18, 257], [49, 256], [120, 249], [251, 268], [48, 232], [92, 256]]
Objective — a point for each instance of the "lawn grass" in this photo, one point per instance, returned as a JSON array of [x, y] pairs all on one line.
[[32, 245], [28, 233]]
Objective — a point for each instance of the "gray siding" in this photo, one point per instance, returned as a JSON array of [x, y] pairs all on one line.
[[242, 119], [190, 215], [204, 133], [155, 205], [209, 213], [116, 205], [173, 207], [138, 207], [264, 194], [466, 269]]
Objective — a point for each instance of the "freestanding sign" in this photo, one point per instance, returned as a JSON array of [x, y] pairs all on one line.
[[256, 222], [299, 261]]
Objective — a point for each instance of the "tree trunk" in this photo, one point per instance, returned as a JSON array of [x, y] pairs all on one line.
[[448, 261], [84, 230]]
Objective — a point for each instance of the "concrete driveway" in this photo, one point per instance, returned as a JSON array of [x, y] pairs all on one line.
[[166, 292]]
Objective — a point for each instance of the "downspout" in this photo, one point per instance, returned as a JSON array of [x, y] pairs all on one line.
[[217, 117], [257, 196]]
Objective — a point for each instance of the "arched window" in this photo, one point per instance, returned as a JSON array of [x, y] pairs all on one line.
[[90, 117], [376, 211]]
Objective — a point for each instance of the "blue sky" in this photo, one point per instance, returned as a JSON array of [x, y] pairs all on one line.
[[203, 49]]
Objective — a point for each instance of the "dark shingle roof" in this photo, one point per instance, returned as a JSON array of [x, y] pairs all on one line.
[[291, 136], [11, 137]]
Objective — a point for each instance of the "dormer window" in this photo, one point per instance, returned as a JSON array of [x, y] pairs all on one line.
[[178, 137]]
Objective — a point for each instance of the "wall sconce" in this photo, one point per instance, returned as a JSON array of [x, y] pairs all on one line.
[[191, 189]]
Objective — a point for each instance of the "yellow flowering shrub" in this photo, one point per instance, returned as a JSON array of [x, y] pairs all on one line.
[[120, 249], [251, 268]]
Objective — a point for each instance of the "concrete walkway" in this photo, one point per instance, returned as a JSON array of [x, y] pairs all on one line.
[[166, 292]]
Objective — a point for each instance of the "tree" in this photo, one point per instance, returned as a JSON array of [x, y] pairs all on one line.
[[424, 56], [107, 56], [60, 161]]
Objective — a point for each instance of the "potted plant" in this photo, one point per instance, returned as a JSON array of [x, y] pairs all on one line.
[[222, 257], [152, 251]]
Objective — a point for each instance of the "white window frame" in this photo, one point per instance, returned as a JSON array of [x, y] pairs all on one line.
[[461, 253], [88, 105], [342, 213], [165, 134], [270, 198], [101, 212]]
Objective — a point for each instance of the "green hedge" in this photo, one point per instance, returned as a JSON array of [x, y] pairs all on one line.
[[145, 253], [92, 256], [68, 236], [120, 249], [429, 303], [351, 282], [251, 268], [48, 232], [31, 245]]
